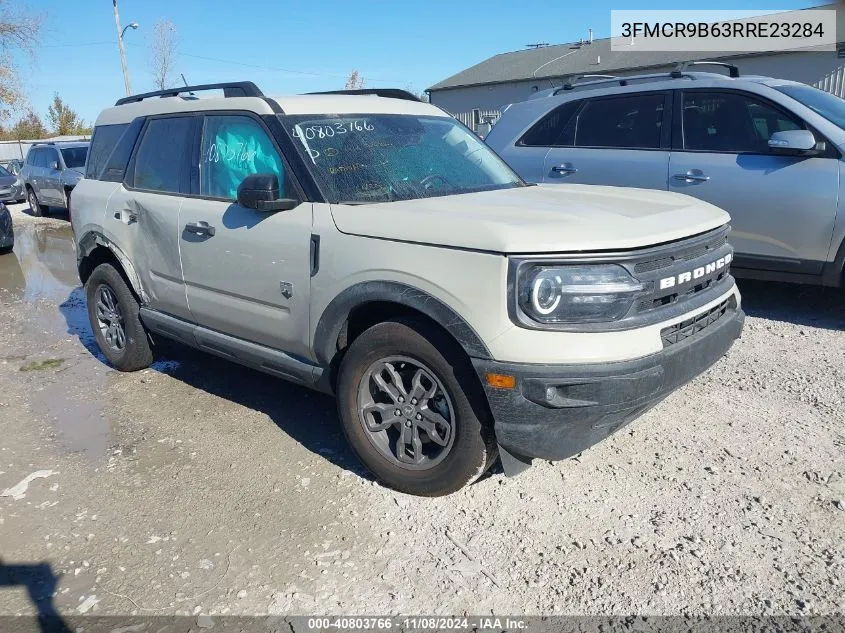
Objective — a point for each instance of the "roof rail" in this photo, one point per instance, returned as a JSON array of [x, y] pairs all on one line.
[[569, 85], [390, 93], [230, 89], [733, 71]]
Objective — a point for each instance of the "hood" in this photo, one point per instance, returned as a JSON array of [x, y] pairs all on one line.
[[538, 219], [74, 173], [7, 181]]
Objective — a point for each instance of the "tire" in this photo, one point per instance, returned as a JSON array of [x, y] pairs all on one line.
[[7, 249], [465, 446], [34, 206], [110, 301]]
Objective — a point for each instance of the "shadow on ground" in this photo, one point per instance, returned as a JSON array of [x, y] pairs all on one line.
[[307, 416], [812, 306], [40, 583], [58, 214]]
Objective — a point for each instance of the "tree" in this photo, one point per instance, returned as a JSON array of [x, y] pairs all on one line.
[[354, 82], [19, 31], [163, 53], [63, 120], [28, 126]]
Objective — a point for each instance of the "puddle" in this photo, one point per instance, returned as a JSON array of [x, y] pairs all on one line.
[[42, 266], [69, 391], [77, 415]]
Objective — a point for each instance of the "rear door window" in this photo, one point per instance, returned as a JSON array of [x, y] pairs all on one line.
[[102, 144], [625, 122], [163, 159], [50, 158], [40, 157], [555, 129]]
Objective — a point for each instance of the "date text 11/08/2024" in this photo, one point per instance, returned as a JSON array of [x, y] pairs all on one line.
[[422, 623]]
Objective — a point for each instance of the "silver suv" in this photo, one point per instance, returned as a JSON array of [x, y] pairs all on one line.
[[50, 173], [370, 246], [768, 151]]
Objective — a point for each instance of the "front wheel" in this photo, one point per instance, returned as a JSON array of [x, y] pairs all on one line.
[[114, 315], [411, 408]]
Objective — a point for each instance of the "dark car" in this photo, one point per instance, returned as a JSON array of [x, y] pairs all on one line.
[[7, 235], [11, 188]]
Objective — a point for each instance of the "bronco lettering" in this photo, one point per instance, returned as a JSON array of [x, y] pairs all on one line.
[[697, 273]]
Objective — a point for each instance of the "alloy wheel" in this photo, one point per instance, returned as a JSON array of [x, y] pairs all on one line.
[[406, 412], [110, 318]]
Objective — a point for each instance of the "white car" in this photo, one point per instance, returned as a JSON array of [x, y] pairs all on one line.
[[370, 246]]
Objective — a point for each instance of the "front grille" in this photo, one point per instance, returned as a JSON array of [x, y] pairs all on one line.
[[692, 326], [683, 255]]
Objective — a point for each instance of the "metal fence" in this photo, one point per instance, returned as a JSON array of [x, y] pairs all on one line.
[[479, 121], [18, 149]]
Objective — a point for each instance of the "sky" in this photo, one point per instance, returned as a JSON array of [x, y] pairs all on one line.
[[294, 47]]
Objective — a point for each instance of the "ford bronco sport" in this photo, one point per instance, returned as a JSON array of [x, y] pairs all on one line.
[[370, 246]]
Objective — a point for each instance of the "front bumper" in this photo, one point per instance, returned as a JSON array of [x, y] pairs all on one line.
[[556, 411]]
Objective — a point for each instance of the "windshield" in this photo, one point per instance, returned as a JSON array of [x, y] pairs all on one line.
[[4, 171], [74, 156], [823, 103], [365, 158]]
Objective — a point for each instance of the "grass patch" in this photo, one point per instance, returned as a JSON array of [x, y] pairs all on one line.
[[41, 365]]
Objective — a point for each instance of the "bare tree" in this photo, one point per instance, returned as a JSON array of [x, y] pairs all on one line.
[[354, 82], [163, 53], [19, 31]]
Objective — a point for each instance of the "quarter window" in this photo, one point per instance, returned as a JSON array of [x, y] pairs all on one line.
[[731, 123], [629, 122], [234, 147], [164, 155]]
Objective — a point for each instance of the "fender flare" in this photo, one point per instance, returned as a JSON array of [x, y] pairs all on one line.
[[94, 239], [337, 312]]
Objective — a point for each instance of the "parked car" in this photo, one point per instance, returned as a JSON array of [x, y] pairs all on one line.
[[768, 151], [50, 173], [13, 165], [11, 187], [7, 233], [370, 246]]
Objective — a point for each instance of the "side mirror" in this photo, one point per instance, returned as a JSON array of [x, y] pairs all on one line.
[[261, 192], [54, 166], [793, 141]]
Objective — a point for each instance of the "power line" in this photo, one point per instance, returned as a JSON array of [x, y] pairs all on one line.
[[226, 61]]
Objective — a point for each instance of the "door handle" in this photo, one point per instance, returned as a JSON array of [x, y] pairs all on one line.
[[126, 216], [565, 168], [200, 228], [693, 175]]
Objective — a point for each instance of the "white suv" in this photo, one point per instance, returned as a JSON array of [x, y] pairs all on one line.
[[370, 246]]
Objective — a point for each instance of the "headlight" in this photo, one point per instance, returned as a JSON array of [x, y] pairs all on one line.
[[576, 294]]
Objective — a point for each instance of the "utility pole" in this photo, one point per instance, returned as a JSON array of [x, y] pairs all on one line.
[[120, 32]]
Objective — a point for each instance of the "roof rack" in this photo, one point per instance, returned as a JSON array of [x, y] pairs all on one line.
[[733, 71], [230, 89], [569, 85], [390, 93]]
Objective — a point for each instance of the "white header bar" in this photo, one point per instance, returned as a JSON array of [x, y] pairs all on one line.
[[709, 31]]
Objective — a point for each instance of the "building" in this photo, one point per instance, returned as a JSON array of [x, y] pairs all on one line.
[[476, 95]]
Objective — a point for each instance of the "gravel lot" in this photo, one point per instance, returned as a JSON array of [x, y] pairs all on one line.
[[199, 487]]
